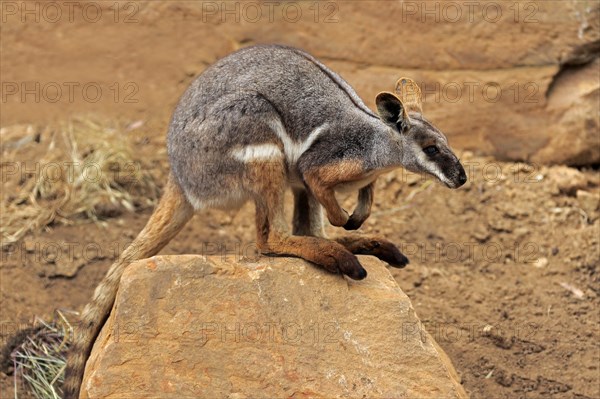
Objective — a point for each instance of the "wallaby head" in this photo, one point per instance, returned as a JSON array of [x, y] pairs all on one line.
[[424, 148]]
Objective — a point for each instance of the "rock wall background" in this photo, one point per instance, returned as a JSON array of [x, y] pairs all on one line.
[[518, 80]]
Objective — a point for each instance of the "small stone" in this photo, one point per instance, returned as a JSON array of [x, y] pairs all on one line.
[[481, 233], [520, 232], [568, 180], [541, 263], [589, 202], [477, 298], [574, 290], [500, 225], [29, 245]]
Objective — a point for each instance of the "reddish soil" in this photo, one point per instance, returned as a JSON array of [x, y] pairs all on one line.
[[504, 271]]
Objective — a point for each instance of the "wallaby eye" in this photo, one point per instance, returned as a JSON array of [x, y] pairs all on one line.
[[431, 150]]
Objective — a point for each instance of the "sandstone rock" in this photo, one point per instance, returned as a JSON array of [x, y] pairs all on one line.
[[568, 180], [185, 326], [573, 104]]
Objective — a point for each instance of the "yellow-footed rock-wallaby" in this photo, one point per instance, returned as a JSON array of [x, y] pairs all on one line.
[[259, 121]]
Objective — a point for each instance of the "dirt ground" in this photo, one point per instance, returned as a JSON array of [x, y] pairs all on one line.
[[504, 271]]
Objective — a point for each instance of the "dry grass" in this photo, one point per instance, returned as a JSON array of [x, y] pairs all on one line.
[[79, 172], [38, 358]]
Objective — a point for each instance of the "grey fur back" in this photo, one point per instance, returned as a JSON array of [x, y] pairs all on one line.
[[302, 90], [232, 102]]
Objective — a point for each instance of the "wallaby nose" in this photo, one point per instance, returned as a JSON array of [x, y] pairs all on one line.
[[462, 178]]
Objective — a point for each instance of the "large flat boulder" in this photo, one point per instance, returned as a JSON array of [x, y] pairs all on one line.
[[188, 326]]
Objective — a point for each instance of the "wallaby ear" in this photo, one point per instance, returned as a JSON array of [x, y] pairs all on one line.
[[391, 110], [409, 92]]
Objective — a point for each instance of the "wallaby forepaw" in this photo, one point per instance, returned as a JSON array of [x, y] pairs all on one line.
[[354, 222], [339, 219]]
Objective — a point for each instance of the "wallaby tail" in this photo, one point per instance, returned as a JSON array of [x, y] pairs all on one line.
[[169, 217]]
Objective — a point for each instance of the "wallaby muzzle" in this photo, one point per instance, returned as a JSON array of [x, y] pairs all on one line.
[[456, 175]]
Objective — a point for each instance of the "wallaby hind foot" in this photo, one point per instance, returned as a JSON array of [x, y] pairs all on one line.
[[376, 246]]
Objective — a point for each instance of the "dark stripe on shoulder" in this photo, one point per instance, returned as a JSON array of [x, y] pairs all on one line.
[[342, 84]]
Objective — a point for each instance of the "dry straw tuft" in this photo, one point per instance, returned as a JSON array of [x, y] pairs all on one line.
[[81, 171]]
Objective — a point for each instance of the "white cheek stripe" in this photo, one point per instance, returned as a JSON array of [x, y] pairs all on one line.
[[258, 152], [293, 150], [440, 175], [431, 167]]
